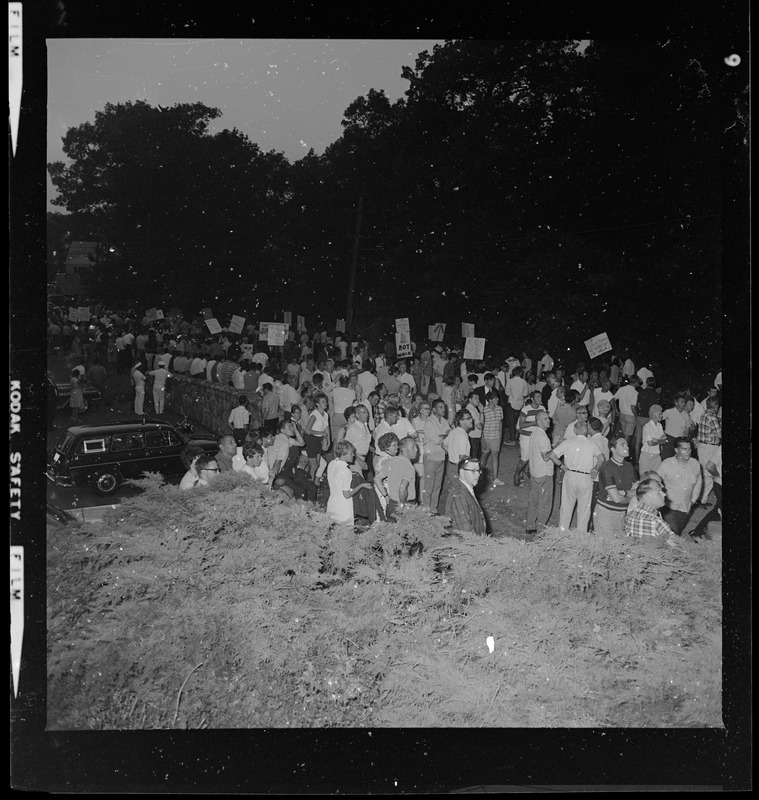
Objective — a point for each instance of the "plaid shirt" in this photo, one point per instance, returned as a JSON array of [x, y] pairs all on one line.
[[709, 429], [378, 411], [492, 422], [644, 520]]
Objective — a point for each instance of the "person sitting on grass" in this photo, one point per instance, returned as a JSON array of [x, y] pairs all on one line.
[[644, 521], [255, 463]]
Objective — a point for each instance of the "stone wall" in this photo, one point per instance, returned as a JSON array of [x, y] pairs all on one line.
[[208, 404]]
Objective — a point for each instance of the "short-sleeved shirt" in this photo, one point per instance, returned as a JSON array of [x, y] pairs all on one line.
[[681, 482], [676, 423], [516, 390], [434, 428], [579, 387], [458, 445], [279, 450], [239, 417], [579, 453], [616, 476], [627, 397], [339, 507], [539, 444], [398, 468]]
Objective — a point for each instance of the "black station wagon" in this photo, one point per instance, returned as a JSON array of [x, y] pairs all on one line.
[[103, 456]]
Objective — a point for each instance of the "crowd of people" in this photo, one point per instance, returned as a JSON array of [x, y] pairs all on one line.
[[428, 430]]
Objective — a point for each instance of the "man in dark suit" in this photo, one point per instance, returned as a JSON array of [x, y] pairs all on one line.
[[487, 389], [462, 506]]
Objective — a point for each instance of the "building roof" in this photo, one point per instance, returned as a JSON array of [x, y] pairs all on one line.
[[82, 254]]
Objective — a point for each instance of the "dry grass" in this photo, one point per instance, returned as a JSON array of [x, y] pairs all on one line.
[[227, 608]]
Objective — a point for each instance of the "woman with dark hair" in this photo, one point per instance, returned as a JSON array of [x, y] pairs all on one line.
[[316, 432]]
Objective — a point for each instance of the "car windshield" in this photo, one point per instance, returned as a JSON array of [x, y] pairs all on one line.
[[66, 444]]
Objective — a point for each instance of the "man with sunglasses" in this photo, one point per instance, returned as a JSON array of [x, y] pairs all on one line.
[[461, 505]]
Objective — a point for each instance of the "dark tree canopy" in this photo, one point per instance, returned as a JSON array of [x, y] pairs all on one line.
[[544, 192]]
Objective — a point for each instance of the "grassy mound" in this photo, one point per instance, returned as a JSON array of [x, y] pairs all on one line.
[[228, 608]]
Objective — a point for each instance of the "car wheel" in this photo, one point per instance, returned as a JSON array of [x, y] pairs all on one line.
[[106, 483]]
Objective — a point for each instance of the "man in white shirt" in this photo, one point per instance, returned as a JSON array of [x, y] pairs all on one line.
[[394, 423], [516, 391], [545, 364], [540, 503], [582, 388], [367, 380], [358, 435], [261, 358], [627, 398], [628, 368], [644, 373], [404, 377]]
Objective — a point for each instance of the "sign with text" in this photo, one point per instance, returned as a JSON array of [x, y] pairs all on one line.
[[403, 344], [236, 324], [287, 316], [207, 313], [150, 315], [73, 314], [158, 313], [301, 323], [276, 334], [474, 348], [467, 330], [340, 325], [436, 332], [84, 314], [402, 325], [213, 325], [598, 345]]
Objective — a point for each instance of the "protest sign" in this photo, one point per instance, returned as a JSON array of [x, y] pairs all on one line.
[[403, 344], [84, 314], [207, 313], [467, 330], [159, 314], [436, 332], [402, 325], [150, 315], [301, 323], [275, 334], [73, 314], [263, 331], [213, 325], [287, 316], [474, 348], [340, 325], [236, 324], [597, 345]]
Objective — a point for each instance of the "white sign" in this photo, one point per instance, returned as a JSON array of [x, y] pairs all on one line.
[[287, 316], [73, 314], [207, 313], [474, 348], [159, 314], [597, 345], [436, 332], [276, 334], [403, 344], [340, 325], [301, 323], [84, 314], [402, 325], [467, 330], [213, 325], [150, 315], [236, 325]]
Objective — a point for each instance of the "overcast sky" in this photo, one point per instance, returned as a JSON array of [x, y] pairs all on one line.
[[287, 95]]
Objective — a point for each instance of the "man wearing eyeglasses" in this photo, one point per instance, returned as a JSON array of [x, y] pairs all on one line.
[[461, 505]]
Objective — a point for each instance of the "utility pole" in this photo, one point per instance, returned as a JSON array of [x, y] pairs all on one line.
[[354, 261]]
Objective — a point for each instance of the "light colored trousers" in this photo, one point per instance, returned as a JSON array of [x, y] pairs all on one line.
[[159, 398], [139, 399], [705, 453], [432, 483], [575, 489]]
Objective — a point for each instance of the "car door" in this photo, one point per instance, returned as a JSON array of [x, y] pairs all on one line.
[[163, 449], [128, 453]]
